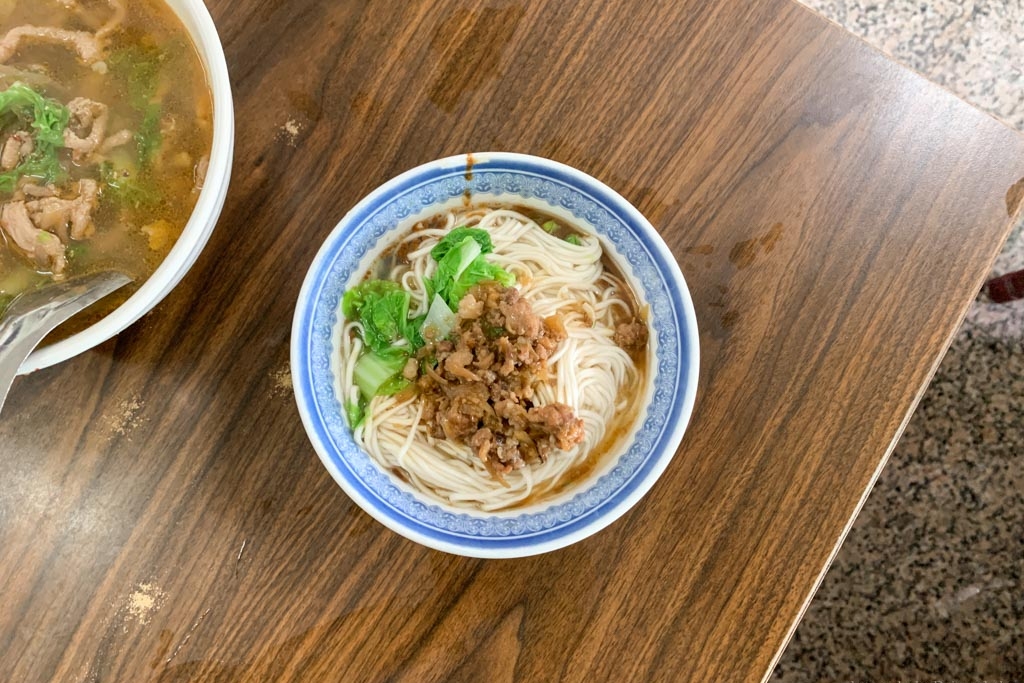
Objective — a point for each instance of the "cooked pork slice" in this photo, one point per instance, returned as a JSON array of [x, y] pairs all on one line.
[[82, 43], [36, 191], [121, 137], [51, 214], [113, 22], [82, 207], [42, 247], [17, 147], [18, 226], [69, 218], [86, 128]]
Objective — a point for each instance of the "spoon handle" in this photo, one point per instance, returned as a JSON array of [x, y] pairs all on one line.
[[34, 314]]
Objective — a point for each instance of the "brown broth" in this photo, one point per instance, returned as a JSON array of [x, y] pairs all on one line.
[[152, 69]]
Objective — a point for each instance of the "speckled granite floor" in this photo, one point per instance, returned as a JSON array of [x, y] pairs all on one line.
[[929, 585]]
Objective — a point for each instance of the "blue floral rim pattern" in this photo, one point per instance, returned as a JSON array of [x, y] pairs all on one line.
[[516, 176]]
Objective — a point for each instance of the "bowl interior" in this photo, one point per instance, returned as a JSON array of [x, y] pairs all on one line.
[[196, 19], [643, 257], [385, 243]]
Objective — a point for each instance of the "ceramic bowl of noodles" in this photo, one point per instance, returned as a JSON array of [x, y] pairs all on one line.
[[116, 140], [495, 355]]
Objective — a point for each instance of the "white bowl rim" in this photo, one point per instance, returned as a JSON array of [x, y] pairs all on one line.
[[197, 20], [686, 401]]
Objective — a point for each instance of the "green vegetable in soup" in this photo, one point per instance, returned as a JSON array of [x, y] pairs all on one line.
[[393, 385], [457, 236], [137, 66], [553, 228], [355, 411], [383, 309], [22, 107], [149, 137], [76, 250], [372, 373], [440, 321], [128, 189], [391, 336], [461, 265]]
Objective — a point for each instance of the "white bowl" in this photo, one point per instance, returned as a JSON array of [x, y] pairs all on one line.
[[589, 505], [197, 21]]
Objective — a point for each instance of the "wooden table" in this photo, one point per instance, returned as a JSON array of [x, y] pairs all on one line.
[[163, 517]]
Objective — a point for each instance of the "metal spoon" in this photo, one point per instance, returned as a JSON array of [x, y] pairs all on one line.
[[34, 314]]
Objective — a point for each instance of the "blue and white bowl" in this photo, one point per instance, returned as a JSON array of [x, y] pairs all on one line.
[[589, 505]]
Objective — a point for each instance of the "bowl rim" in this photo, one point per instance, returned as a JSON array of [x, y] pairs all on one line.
[[196, 19], [599, 516]]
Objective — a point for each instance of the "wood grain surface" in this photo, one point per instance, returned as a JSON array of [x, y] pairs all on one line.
[[164, 518]]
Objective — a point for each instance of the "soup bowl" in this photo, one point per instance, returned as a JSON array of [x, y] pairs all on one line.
[[586, 505], [197, 21]]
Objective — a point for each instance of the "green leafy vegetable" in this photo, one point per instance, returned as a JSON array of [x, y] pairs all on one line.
[[128, 189], [383, 308], [573, 239], [393, 385], [22, 106], [38, 165], [355, 411], [138, 67], [47, 117], [362, 294], [457, 236], [76, 250], [391, 336], [550, 226], [461, 265], [439, 322], [149, 136], [372, 372]]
